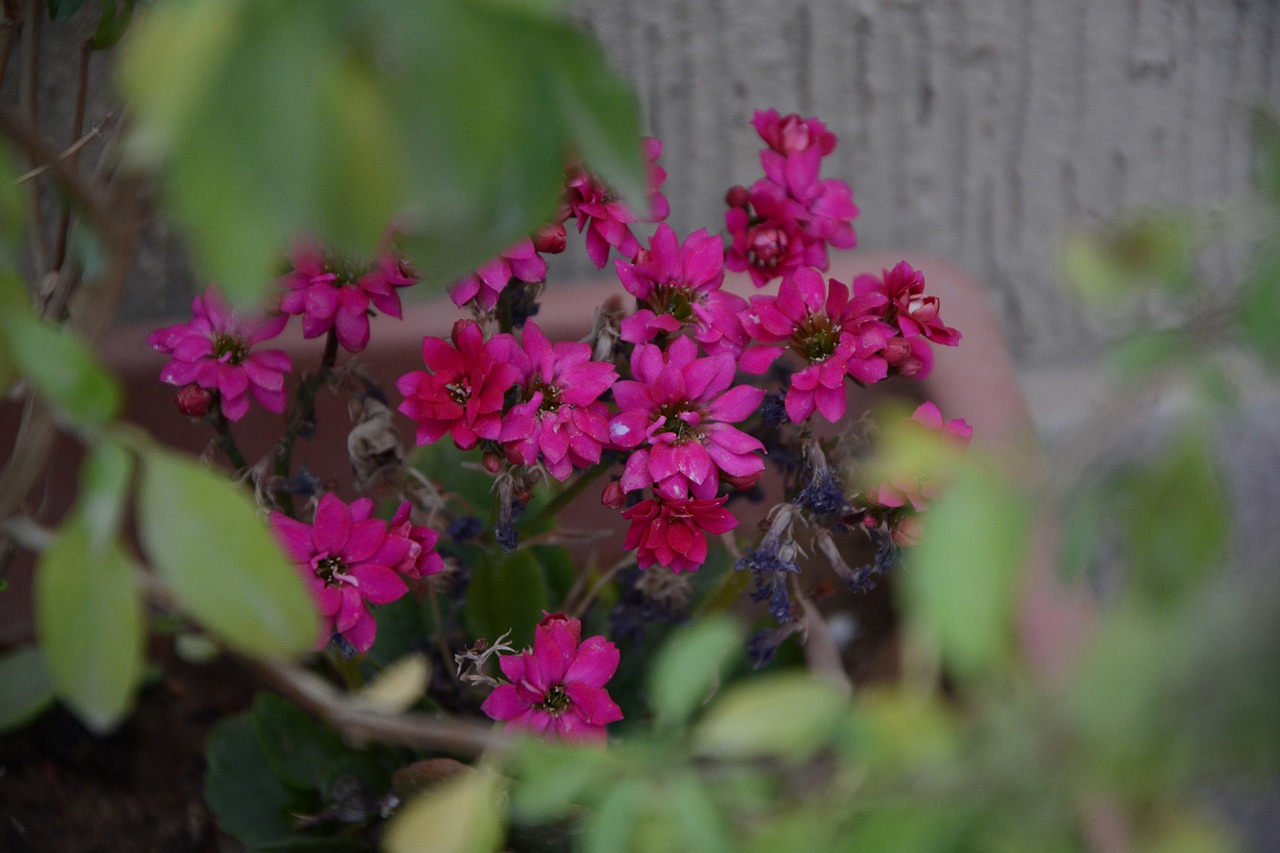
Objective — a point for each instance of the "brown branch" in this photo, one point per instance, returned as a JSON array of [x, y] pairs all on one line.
[[29, 106], [323, 700], [72, 153]]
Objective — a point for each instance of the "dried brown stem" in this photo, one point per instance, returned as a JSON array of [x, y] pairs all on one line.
[[31, 112], [72, 154]]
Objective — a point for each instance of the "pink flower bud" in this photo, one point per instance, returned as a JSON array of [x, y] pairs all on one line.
[[744, 482], [736, 196], [492, 463], [193, 401], [896, 351], [613, 496], [550, 240]]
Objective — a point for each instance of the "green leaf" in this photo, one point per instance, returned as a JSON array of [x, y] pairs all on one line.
[[113, 23], [694, 812], [962, 579], [208, 544], [60, 9], [462, 815], [553, 777], [25, 687], [507, 594], [242, 790], [689, 668], [787, 716], [1259, 302], [611, 827], [104, 491], [300, 750], [89, 621], [1175, 520], [64, 370]]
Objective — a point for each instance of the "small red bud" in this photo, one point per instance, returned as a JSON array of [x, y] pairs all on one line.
[[550, 240], [613, 497], [522, 494], [492, 463], [743, 482], [870, 521], [737, 196], [193, 401], [896, 351]]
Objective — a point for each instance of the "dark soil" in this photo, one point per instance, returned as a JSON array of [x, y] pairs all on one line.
[[65, 790]]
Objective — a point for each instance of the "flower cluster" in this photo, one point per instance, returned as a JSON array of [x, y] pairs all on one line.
[[606, 220], [214, 351], [350, 560], [789, 217], [557, 687]]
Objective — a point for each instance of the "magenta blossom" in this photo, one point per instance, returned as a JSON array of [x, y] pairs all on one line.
[[215, 351], [791, 133], [557, 687], [561, 418], [420, 559], [606, 220], [332, 293], [348, 560], [673, 533], [917, 487], [768, 237], [461, 391], [521, 262], [681, 407], [908, 307], [678, 286], [835, 336]]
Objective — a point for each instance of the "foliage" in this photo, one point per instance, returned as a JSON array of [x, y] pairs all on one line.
[[359, 145]]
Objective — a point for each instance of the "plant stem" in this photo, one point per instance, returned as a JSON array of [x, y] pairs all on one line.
[[566, 495], [77, 130], [303, 414], [226, 441]]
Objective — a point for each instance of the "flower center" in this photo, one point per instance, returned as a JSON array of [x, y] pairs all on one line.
[[816, 338], [230, 346], [550, 396], [329, 568], [673, 299], [347, 270], [681, 428], [768, 246], [459, 391], [556, 701]]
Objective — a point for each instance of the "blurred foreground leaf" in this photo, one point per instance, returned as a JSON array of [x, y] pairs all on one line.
[[461, 815], [786, 716], [63, 369], [89, 621], [206, 540], [690, 666], [25, 687]]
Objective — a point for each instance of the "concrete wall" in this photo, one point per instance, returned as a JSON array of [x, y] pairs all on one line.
[[977, 130]]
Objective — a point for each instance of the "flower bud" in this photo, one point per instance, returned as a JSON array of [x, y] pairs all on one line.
[[193, 401], [897, 351], [550, 240], [743, 482], [492, 463], [737, 196], [613, 497]]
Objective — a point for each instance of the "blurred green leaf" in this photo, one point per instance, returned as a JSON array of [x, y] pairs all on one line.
[[1175, 520], [1266, 134], [459, 476], [115, 20], [962, 579], [507, 593], [300, 750], [1145, 353], [26, 688], [89, 620], [1151, 250], [935, 827], [895, 731], [553, 777], [464, 814], [689, 667], [63, 369], [786, 716], [452, 117], [694, 813], [1259, 303], [610, 828], [104, 491], [60, 9], [205, 538]]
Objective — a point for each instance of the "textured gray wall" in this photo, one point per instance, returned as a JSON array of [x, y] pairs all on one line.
[[977, 130]]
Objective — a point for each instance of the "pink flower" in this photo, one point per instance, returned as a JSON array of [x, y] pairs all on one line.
[[521, 262], [348, 561], [681, 406], [332, 293], [678, 286], [673, 533], [915, 314], [557, 687], [790, 133], [215, 351], [608, 221], [916, 487], [420, 559], [461, 392], [768, 237], [562, 418], [836, 336]]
